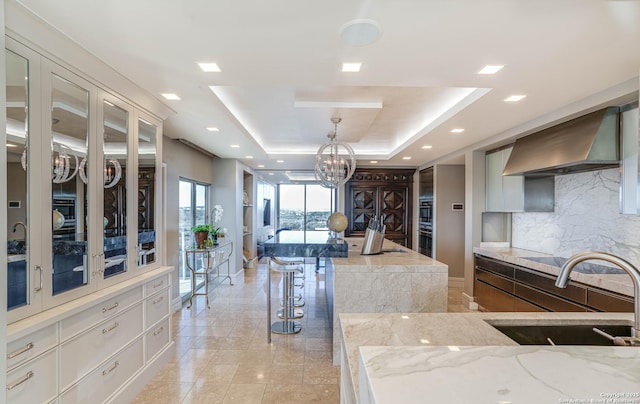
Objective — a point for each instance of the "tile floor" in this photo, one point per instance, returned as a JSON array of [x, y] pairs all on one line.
[[222, 354]]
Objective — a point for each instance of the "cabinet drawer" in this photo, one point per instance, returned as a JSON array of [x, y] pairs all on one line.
[[107, 378], [157, 338], [156, 307], [93, 315], [32, 345], [549, 302], [603, 301], [494, 280], [547, 283], [156, 284], [80, 355], [34, 382], [503, 269], [492, 299]]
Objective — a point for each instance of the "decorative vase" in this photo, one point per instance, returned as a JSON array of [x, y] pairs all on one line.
[[201, 238]]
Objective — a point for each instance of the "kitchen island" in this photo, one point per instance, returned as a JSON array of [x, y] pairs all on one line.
[[460, 357], [399, 280]]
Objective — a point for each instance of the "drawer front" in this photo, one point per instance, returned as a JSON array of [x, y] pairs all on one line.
[[547, 283], [95, 314], [603, 301], [34, 382], [501, 268], [492, 299], [156, 307], [157, 338], [32, 345], [494, 280], [547, 301], [159, 283], [107, 378], [80, 355]]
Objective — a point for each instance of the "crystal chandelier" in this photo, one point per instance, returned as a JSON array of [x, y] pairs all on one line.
[[335, 161]]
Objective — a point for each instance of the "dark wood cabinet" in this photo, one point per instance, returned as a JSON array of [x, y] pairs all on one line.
[[374, 192], [115, 203]]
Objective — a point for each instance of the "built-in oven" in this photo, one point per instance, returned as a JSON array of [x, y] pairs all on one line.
[[425, 239], [67, 207], [426, 211]]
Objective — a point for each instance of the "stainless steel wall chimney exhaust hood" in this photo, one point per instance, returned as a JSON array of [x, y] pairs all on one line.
[[590, 142]]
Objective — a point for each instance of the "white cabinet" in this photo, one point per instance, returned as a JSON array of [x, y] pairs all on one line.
[[630, 182], [94, 348], [515, 193], [83, 168]]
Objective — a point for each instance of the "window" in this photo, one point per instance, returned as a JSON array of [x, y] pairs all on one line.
[[304, 207], [194, 205]]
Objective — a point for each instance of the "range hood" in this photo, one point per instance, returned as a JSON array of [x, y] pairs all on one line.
[[589, 142]]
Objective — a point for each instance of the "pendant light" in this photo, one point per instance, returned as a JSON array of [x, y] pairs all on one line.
[[335, 161]]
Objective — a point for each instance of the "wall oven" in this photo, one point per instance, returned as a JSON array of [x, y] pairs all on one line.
[[426, 211], [66, 206], [425, 239]]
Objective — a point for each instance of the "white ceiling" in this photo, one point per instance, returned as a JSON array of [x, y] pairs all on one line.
[[281, 81]]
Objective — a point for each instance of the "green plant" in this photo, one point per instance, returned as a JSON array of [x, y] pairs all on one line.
[[202, 227]]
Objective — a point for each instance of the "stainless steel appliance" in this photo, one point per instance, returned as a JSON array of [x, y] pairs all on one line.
[[66, 206], [426, 211], [425, 239]]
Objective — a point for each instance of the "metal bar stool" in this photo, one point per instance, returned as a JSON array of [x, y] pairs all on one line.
[[297, 300], [287, 269]]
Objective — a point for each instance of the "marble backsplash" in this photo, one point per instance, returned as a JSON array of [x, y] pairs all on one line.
[[587, 217]]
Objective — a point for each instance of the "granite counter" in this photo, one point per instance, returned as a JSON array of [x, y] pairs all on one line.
[[415, 350]]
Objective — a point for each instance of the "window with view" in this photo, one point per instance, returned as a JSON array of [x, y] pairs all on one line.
[[304, 207]]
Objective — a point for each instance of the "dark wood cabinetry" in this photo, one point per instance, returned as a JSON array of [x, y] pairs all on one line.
[[500, 286], [115, 203], [375, 192]]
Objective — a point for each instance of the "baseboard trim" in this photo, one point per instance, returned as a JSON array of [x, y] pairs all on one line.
[[456, 282], [176, 304], [469, 300]]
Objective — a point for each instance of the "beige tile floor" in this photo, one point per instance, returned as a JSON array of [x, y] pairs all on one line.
[[222, 354]]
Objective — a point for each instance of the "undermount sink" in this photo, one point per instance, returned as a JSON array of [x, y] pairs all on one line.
[[568, 334]]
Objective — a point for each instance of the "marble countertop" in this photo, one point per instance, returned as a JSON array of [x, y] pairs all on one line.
[[619, 283], [498, 374], [434, 332], [395, 259]]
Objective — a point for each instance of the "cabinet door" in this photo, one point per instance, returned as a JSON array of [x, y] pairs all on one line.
[[73, 171], [394, 206], [147, 134], [363, 207], [24, 265]]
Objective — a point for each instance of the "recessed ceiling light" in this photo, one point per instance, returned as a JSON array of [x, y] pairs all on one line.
[[279, 161], [235, 146], [260, 165], [424, 341], [514, 98], [457, 130], [491, 69], [427, 146], [351, 67], [212, 129], [170, 96], [248, 157], [209, 67], [374, 162], [406, 158]]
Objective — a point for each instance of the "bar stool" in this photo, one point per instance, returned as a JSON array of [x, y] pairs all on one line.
[[287, 313]]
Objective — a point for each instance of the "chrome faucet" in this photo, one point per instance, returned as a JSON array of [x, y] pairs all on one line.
[[634, 273], [15, 227]]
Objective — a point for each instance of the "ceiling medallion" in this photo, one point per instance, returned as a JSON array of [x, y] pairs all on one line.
[[335, 161]]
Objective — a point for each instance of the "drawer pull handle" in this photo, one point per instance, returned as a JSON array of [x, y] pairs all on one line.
[[156, 332], [158, 300], [157, 285], [24, 378], [106, 309], [113, 327], [111, 369], [20, 351]]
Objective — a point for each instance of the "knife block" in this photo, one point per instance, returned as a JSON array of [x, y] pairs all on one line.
[[372, 242]]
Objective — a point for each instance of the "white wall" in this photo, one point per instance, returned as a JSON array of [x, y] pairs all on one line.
[[449, 225], [587, 217], [182, 162], [265, 190]]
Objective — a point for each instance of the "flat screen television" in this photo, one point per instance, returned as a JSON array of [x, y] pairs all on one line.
[[267, 212]]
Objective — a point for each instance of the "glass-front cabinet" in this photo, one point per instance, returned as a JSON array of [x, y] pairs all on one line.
[[82, 175]]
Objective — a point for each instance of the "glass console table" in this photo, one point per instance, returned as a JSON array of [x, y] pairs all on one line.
[[203, 261]]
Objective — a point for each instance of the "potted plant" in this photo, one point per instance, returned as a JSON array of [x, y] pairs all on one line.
[[201, 232]]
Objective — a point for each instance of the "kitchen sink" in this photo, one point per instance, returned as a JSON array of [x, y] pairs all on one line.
[[571, 334]]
